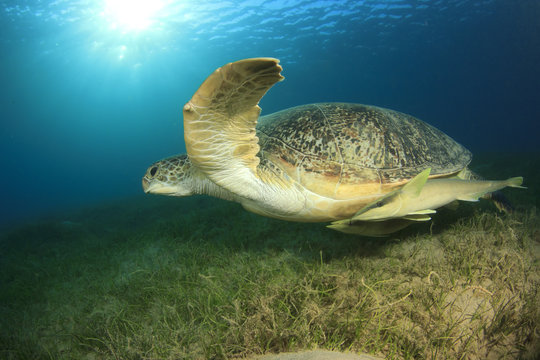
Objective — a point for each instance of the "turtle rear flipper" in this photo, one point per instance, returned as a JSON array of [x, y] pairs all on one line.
[[500, 201]]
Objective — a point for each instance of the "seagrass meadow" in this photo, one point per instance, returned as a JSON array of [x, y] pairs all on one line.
[[200, 278], [93, 93]]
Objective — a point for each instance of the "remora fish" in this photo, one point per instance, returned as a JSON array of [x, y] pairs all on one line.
[[420, 197]]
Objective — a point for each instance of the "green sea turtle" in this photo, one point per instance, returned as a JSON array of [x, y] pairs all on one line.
[[315, 163]]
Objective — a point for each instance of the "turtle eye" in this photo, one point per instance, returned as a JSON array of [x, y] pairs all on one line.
[[153, 171], [379, 204]]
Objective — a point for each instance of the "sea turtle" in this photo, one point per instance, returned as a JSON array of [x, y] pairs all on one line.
[[314, 163]]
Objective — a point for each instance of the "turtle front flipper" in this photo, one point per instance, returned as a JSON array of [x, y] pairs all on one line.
[[219, 130]]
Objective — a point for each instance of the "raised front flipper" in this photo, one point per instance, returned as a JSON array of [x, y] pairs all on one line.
[[219, 130]]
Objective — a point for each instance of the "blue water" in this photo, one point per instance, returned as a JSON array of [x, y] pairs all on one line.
[[92, 91]]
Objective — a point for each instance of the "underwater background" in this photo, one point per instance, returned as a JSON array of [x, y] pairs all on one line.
[[92, 91], [92, 268]]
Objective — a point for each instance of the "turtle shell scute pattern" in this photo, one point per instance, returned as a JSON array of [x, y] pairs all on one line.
[[339, 148]]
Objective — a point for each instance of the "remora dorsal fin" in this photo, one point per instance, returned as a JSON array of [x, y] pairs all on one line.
[[414, 187]]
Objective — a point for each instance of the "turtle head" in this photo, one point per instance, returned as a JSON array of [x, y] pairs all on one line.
[[170, 176]]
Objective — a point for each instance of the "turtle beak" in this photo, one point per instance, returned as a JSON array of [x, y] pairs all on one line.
[[145, 184], [157, 187]]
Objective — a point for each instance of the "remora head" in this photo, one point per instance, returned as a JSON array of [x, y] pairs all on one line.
[[382, 208], [390, 204], [170, 176]]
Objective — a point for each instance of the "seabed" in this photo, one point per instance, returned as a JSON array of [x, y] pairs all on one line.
[[199, 278]]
